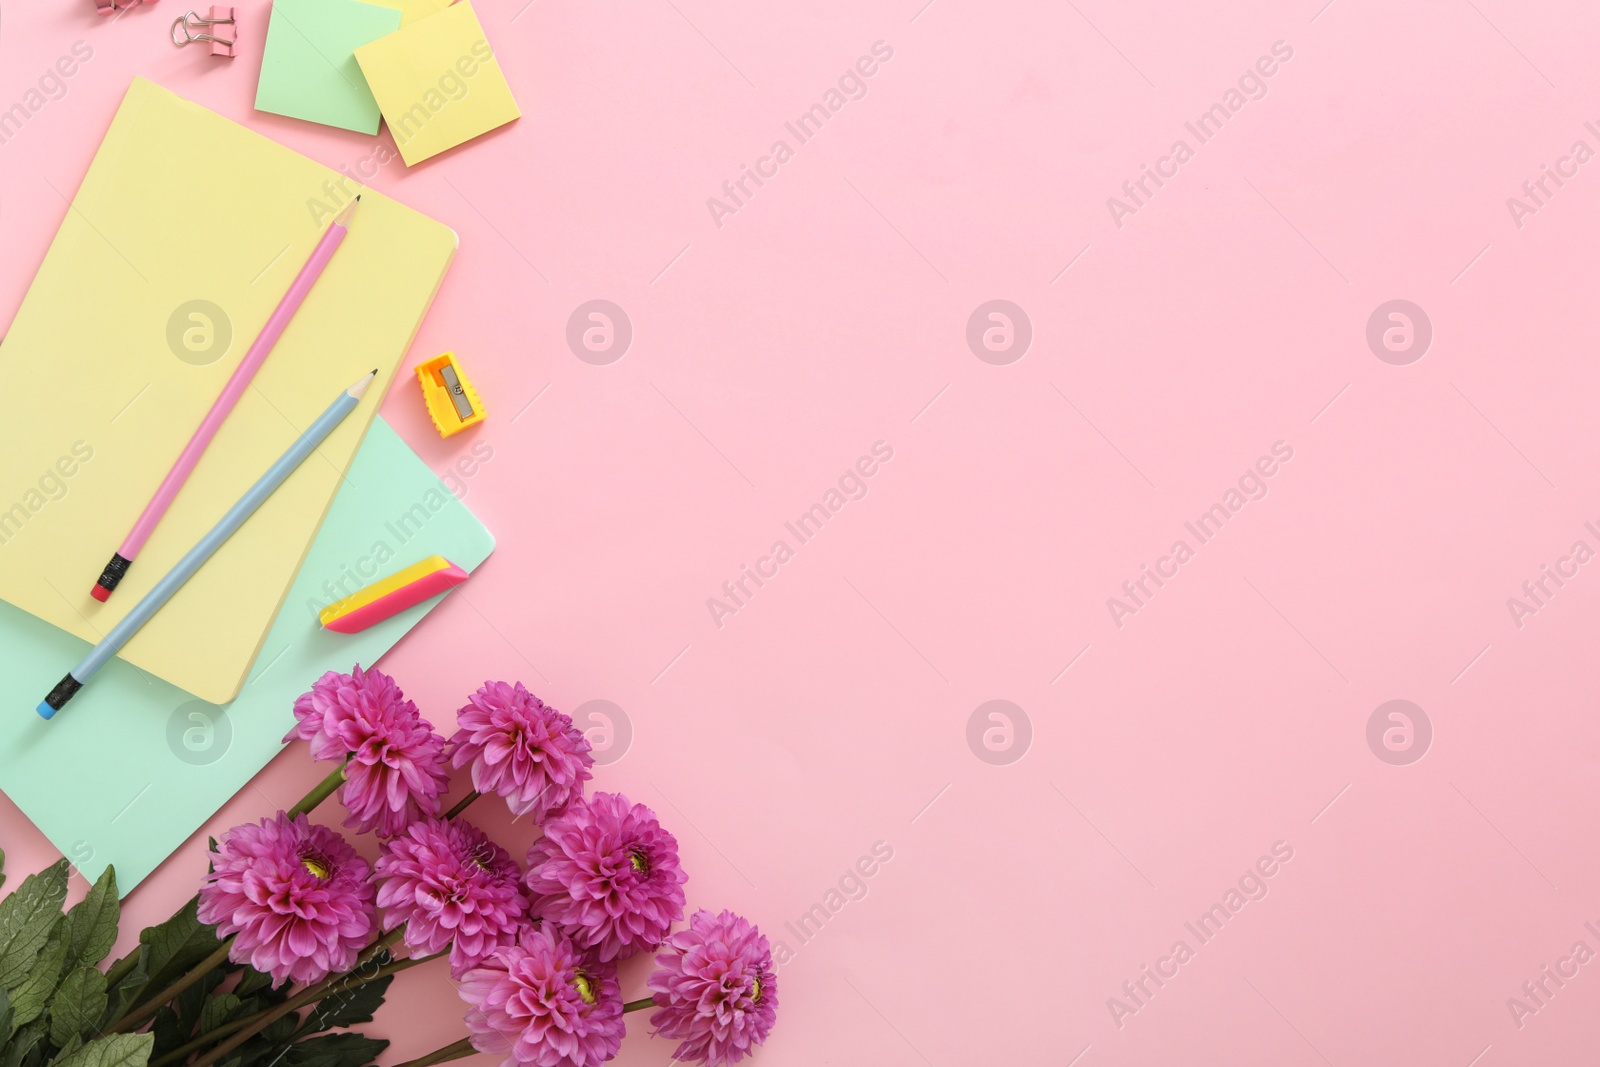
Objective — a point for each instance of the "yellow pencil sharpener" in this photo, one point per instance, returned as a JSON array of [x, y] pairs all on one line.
[[452, 402]]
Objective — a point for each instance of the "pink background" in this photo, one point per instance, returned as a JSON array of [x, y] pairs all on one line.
[[830, 312]]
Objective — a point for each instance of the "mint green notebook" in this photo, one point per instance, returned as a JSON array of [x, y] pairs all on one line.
[[133, 766]]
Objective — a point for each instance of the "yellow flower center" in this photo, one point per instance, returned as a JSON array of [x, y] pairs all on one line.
[[639, 861], [585, 987], [755, 989], [316, 867]]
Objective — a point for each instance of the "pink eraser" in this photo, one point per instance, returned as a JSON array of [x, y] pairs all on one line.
[[392, 595]]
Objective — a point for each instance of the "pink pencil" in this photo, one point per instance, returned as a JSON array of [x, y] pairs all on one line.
[[224, 403]]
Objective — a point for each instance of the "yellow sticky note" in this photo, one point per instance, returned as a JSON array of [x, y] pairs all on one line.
[[125, 338], [412, 10], [437, 83]]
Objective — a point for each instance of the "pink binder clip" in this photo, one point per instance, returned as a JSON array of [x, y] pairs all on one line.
[[192, 28], [111, 7]]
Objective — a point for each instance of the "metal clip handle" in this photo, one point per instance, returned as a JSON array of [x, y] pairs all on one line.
[[193, 29]]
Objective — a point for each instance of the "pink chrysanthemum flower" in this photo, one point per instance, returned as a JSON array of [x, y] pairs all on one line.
[[608, 874], [296, 896], [541, 1004], [396, 773], [522, 749], [453, 886], [715, 990]]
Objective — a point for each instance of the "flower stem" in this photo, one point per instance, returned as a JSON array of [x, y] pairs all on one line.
[[321, 791], [639, 1005], [450, 1052], [378, 946], [154, 1004], [461, 805], [261, 1020], [267, 1016], [123, 967]]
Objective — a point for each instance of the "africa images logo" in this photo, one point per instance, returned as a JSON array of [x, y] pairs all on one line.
[[1252, 85], [1252, 485], [851, 85]]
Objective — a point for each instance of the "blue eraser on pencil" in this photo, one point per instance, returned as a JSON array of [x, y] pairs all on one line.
[[45, 710]]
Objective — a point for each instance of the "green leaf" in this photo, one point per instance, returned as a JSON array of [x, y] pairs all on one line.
[[79, 1003], [191, 1002], [262, 999], [113, 1050], [279, 1031], [265, 1049], [26, 919], [334, 1050], [7, 1019], [252, 982], [92, 922], [169, 1033], [347, 1007], [74, 1043], [176, 946], [22, 1043], [124, 994], [31, 995], [218, 1010]]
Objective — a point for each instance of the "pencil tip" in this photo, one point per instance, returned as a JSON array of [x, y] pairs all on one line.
[[358, 389], [343, 218]]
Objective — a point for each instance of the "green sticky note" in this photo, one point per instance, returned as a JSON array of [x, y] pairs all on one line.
[[309, 70], [133, 766]]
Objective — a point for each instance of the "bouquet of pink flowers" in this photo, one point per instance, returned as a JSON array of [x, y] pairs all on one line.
[[294, 935]]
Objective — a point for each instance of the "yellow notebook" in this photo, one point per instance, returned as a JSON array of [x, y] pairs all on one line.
[[183, 236]]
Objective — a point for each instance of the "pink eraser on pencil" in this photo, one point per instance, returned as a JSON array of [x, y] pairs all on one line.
[[392, 595]]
